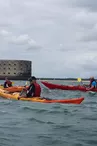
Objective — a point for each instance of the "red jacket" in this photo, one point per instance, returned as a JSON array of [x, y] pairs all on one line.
[[9, 83], [37, 90]]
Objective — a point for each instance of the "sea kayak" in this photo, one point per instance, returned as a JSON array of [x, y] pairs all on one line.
[[65, 87], [40, 99], [13, 88]]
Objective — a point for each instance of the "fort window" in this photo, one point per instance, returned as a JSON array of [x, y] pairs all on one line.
[[14, 68], [4, 64], [14, 73], [9, 64], [9, 68], [14, 64], [4, 68], [8, 72], [4, 73]]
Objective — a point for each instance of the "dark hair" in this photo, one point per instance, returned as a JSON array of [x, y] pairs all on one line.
[[32, 78]]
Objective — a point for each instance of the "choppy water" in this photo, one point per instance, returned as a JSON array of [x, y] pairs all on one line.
[[37, 124]]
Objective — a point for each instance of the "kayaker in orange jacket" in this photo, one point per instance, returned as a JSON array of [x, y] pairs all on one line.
[[34, 90]]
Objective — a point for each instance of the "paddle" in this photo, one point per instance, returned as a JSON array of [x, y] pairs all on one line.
[[23, 91], [1, 86], [26, 83], [92, 92], [80, 80], [12, 83]]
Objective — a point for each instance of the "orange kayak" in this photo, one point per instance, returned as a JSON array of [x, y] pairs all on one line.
[[13, 89], [40, 99]]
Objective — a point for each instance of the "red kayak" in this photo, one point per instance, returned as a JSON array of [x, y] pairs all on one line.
[[65, 87]]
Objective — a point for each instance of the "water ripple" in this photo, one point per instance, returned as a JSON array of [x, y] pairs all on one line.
[[28, 123], [36, 120]]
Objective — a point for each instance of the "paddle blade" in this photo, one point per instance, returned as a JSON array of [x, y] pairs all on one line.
[[1, 87], [26, 83], [79, 79]]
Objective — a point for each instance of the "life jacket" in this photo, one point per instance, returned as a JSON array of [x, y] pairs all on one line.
[[92, 82], [37, 90], [9, 83]]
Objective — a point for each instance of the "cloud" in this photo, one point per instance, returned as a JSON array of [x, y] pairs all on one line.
[[22, 39], [4, 33], [85, 21], [90, 5], [58, 36], [90, 37]]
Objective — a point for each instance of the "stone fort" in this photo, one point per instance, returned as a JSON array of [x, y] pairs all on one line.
[[15, 69]]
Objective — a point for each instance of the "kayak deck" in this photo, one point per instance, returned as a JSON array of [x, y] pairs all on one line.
[[40, 99]]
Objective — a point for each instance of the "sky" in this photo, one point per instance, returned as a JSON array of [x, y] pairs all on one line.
[[58, 36]]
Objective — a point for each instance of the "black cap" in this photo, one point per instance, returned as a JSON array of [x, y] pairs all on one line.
[[32, 78]]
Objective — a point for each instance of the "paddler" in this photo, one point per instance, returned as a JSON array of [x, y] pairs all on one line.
[[34, 89], [7, 83], [93, 84]]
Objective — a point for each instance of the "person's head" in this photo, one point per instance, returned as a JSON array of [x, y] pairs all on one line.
[[6, 78], [91, 78], [32, 79]]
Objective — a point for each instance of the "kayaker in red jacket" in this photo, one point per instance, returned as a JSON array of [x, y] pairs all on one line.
[[34, 90], [7, 83]]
